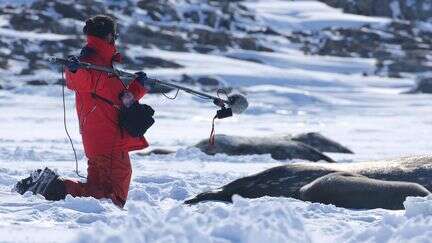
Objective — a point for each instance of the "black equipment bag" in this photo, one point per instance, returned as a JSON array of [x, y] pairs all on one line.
[[136, 119]]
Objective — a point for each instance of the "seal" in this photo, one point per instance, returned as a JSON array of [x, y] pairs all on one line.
[[280, 148], [306, 146], [320, 143], [287, 180], [349, 190]]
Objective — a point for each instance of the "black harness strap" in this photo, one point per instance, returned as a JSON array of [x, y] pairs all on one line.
[[94, 95]]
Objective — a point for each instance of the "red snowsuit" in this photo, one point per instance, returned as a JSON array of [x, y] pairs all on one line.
[[105, 144]]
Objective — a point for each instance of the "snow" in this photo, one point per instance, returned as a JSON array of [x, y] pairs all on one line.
[[289, 93], [287, 16], [295, 59], [416, 206], [222, 223], [16, 2], [30, 35], [395, 8]]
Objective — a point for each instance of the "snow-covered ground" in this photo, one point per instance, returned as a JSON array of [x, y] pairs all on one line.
[[288, 92]]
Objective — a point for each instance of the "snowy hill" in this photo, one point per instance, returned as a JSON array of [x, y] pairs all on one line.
[[339, 69]]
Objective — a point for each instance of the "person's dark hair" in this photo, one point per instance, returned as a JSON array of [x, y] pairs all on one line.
[[100, 26]]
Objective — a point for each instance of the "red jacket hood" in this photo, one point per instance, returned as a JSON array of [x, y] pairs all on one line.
[[107, 51]]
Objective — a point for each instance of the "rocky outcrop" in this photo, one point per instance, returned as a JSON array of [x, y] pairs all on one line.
[[403, 47], [401, 9], [187, 26], [153, 62]]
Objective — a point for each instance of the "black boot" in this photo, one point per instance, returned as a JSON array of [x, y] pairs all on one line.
[[23, 185], [46, 183]]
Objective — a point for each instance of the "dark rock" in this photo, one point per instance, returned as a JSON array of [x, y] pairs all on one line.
[[321, 143], [69, 11], [250, 43], [209, 81], [147, 37], [245, 59], [153, 62], [408, 10], [78, 9], [408, 65], [3, 62], [424, 85], [278, 148], [220, 39], [37, 82], [210, 18], [266, 31], [38, 22], [413, 45], [192, 16], [158, 9], [214, 19], [204, 49], [157, 151]]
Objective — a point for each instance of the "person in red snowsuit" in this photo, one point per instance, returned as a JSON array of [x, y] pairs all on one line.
[[106, 145], [98, 102]]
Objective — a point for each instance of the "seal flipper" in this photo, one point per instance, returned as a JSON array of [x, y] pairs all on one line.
[[217, 195]]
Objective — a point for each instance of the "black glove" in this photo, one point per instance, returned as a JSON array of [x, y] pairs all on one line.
[[72, 64], [141, 77], [144, 80]]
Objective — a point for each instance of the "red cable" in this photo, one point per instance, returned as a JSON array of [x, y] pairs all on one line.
[[212, 133]]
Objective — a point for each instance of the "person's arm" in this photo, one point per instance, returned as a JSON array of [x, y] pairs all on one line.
[[78, 79], [137, 89]]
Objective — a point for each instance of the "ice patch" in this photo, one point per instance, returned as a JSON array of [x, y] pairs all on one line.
[[290, 59], [32, 35], [287, 16], [16, 2], [417, 206]]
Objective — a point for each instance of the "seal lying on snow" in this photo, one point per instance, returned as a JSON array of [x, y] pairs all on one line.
[[320, 143], [287, 180], [305, 146], [308, 146], [348, 190], [278, 148]]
